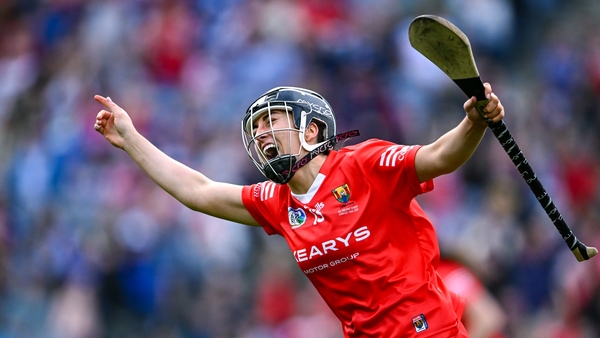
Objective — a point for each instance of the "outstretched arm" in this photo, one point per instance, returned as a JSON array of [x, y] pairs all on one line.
[[454, 148], [188, 186]]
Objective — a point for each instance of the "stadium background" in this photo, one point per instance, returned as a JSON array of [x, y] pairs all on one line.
[[90, 247]]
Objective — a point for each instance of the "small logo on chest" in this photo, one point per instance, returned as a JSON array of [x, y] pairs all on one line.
[[342, 193], [297, 217], [316, 211]]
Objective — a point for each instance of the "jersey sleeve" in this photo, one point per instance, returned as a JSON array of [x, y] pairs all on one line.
[[391, 169], [259, 200]]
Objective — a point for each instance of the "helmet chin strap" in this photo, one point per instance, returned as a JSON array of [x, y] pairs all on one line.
[[286, 175], [275, 167]]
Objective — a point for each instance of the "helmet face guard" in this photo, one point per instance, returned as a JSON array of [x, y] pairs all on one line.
[[303, 107]]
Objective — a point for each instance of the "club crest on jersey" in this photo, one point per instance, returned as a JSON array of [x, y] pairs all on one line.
[[420, 323], [342, 193], [297, 217]]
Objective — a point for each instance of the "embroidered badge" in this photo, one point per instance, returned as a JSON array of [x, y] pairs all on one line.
[[420, 323], [297, 217], [342, 193]]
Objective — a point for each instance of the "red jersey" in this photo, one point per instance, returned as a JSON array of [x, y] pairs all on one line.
[[365, 244]]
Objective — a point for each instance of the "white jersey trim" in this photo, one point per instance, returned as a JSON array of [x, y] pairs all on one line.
[[305, 198], [267, 190], [387, 156], [391, 154]]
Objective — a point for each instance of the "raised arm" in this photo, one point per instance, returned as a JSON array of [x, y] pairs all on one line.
[[188, 186], [454, 148]]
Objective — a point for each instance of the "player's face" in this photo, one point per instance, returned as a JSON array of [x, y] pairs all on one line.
[[276, 134]]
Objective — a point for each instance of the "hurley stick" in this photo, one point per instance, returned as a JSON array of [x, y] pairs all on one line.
[[449, 48]]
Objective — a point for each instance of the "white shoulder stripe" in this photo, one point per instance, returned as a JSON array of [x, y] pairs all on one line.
[[391, 157], [272, 188], [387, 156], [393, 154], [394, 157], [267, 191], [263, 191]]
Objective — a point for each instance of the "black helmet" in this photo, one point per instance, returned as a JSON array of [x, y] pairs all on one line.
[[306, 106]]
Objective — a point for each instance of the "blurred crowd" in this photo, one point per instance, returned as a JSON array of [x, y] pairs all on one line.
[[90, 247]]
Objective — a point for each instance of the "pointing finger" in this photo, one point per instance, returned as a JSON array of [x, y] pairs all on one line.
[[106, 101]]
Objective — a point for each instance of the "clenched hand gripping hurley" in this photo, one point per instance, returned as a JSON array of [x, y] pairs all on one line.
[[449, 48]]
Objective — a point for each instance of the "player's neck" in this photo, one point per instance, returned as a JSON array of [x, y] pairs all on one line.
[[305, 176]]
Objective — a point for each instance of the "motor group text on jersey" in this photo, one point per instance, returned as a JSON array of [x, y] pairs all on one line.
[[328, 246]]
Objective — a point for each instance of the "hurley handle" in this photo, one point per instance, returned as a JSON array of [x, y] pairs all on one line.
[[474, 87]]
